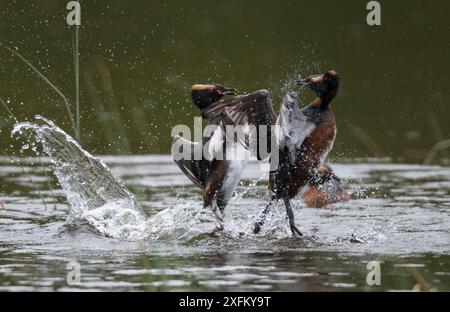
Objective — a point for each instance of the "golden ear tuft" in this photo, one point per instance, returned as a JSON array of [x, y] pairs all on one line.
[[200, 87]]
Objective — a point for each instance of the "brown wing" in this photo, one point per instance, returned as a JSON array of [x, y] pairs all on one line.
[[249, 111], [196, 170], [254, 108]]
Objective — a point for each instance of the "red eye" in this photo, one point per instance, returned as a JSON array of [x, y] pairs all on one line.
[[216, 90]]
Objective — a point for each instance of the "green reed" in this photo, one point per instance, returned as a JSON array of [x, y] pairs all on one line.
[[76, 59], [43, 77], [6, 107]]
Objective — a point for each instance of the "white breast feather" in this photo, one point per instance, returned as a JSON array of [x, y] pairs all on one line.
[[237, 155], [215, 144]]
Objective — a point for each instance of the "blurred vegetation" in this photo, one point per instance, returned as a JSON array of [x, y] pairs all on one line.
[[139, 58]]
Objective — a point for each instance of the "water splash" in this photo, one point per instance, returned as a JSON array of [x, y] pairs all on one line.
[[182, 222], [93, 192], [100, 199]]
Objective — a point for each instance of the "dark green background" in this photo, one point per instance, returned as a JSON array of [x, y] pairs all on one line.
[[139, 58]]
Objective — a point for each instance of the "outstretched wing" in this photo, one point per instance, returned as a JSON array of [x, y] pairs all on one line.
[[254, 108], [191, 161], [254, 114], [294, 125]]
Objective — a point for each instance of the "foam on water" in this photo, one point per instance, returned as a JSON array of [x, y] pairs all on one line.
[[182, 222], [116, 221]]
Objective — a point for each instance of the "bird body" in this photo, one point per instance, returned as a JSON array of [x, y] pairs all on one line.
[[303, 151], [306, 136], [219, 171], [324, 189]]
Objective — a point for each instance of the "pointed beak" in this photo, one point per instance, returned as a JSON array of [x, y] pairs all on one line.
[[229, 91], [302, 82], [308, 81]]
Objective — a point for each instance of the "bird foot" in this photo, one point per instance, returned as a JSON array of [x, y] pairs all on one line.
[[295, 231], [219, 219], [219, 226], [256, 228]]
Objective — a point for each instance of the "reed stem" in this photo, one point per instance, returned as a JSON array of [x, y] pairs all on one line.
[[8, 109], [76, 58], [66, 102], [5, 105]]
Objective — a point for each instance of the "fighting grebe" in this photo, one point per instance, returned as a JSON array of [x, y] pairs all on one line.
[[305, 139], [219, 172]]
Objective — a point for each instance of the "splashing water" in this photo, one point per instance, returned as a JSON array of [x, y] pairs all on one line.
[[100, 199], [95, 195]]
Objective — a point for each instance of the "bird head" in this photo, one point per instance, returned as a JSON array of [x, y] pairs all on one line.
[[324, 175], [324, 85], [205, 94]]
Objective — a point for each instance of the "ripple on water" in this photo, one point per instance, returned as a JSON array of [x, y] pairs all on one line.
[[167, 241]]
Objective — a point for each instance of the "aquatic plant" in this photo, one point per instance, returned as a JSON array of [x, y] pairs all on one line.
[[440, 146], [6, 107], [43, 77], [76, 57]]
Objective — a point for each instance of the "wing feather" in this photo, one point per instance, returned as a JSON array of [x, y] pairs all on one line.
[[196, 170], [293, 124], [248, 111]]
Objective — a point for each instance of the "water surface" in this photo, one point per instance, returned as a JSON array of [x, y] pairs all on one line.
[[399, 215]]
